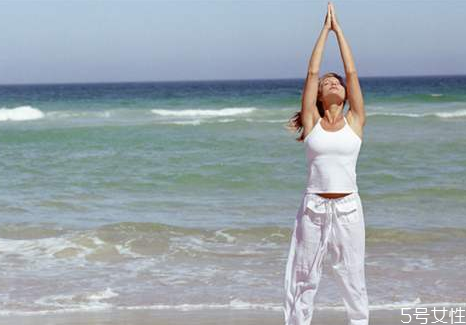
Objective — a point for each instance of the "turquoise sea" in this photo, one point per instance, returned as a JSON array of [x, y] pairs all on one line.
[[182, 195]]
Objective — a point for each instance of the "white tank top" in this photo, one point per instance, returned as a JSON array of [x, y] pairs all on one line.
[[332, 158]]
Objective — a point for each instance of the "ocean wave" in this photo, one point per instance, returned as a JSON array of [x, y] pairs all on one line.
[[204, 112], [226, 120], [20, 113], [267, 121], [459, 113], [192, 122], [78, 301], [68, 303], [450, 114], [79, 114], [25, 113], [132, 240], [146, 256], [196, 122]]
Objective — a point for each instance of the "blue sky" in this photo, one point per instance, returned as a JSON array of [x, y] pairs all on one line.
[[94, 41]]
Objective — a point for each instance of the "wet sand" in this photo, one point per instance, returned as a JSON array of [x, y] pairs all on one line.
[[210, 317]]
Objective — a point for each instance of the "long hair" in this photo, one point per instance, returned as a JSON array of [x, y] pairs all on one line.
[[295, 123]]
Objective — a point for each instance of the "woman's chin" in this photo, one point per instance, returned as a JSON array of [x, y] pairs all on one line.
[[333, 99]]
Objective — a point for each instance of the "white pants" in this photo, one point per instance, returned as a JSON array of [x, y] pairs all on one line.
[[326, 225]]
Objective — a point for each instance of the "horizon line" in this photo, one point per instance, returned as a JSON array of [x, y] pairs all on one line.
[[207, 80]]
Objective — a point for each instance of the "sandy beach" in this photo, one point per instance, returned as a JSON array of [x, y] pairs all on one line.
[[232, 317]]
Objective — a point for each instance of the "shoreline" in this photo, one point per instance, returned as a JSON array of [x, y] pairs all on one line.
[[209, 317]]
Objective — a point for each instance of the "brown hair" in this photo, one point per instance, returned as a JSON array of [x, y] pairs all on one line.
[[295, 123]]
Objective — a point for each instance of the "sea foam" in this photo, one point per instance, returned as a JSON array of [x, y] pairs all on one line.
[[20, 113], [204, 112], [447, 114]]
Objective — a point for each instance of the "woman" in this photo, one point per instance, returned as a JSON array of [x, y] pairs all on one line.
[[330, 220]]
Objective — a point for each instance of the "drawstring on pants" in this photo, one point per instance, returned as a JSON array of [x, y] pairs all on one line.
[[330, 210]]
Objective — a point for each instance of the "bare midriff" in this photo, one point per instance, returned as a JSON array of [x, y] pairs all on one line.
[[333, 195]]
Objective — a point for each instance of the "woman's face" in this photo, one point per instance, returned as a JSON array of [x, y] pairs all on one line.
[[332, 91]]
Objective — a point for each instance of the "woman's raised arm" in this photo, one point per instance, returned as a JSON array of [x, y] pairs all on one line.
[[309, 111], [355, 97]]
